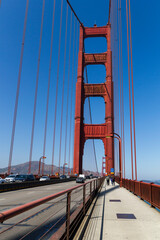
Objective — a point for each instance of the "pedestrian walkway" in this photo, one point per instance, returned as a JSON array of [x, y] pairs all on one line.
[[119, 214]]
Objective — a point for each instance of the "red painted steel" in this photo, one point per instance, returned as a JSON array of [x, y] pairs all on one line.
[[155, 195], [147, 191], [129, 83], [103, 166], [83, 131], [134, 131], [23, 208]]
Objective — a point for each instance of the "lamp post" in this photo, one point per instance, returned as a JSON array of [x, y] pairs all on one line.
[[39, 170], [103, 166], [115, 135], [64, 168]]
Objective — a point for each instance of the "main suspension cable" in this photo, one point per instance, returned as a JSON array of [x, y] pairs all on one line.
[[74, 13], [18, 87], [109, 16]]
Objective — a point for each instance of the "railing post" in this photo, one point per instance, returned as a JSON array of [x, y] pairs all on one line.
[[84, 197], [90, 191], [151, 194], [140, 191], [94, 185], [68, 213]]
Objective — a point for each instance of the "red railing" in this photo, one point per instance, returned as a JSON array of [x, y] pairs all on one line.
[[76, 202], [149, 192]]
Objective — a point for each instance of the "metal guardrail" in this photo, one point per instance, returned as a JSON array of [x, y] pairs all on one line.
[[149, 192], [5, 187], [72, 214]]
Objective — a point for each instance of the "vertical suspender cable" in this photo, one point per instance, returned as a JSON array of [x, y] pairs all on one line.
[[64, 69], [49, 77], [36, 90], [121, 84], [69, 153], [17, 93], [120, 70], [135, 158], [129, 90], [123, 137], [69, 63], [113, 24], [76, 63], [55, 113]]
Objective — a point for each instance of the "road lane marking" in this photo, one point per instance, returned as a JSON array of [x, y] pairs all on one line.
[[30, 192]]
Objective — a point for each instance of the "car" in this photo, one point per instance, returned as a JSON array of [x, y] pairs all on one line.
[[63, 177], [68, 176], [82, 176], [24, 178], [87, 177], [44, 178], [2, 180], [80, 180], [10, 178]]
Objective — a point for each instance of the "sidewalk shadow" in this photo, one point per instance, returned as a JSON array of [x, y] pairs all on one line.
[[103, 193]]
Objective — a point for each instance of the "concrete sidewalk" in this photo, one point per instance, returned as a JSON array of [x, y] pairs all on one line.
[[118, 214]]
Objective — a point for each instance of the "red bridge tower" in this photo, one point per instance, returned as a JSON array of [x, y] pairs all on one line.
[[83, 90]]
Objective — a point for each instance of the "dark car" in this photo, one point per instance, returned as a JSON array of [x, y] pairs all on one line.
[[63, 177], [80, 180], [24, 178], [87, 177]]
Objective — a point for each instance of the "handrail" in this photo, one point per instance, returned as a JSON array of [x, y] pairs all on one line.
[[149, 192], [23, 208]]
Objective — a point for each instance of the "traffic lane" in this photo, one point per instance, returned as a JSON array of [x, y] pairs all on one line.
[[13, 199], [45, 215]]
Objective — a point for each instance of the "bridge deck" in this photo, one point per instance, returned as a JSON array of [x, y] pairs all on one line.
[[139, 221]]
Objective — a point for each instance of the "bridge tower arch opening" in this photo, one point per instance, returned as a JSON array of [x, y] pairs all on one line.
[[99, 46], [98, 115], [88, 161], [84, 131]]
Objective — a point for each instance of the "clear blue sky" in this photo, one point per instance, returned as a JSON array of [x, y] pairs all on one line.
[[146, 52]]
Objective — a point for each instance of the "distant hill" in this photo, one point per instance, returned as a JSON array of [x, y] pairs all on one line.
[[23, 169]]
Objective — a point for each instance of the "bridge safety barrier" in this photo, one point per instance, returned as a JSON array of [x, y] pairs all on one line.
[[76, 201], [21, 185], [149, 192]]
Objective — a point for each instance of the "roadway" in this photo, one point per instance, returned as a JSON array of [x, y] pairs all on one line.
[[52, 210]]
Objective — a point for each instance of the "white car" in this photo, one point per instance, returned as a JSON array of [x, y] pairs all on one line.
[[2, 180], [10, 178], [44, 178]]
